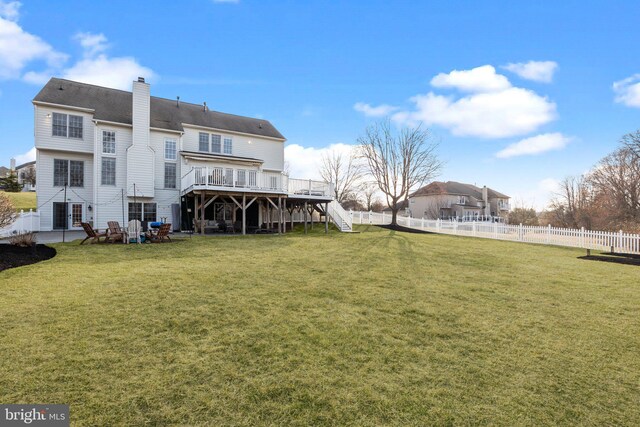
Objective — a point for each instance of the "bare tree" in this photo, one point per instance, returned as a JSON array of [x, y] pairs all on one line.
[[433, 209], [399, 161], [7, 211], [523, 214], [344, 171], [369, 194], [571, 205], [616, 183], [29, 175], [632, 142]]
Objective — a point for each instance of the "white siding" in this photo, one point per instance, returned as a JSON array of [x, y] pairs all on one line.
[[270, 151], [48, 194], [165, 197], [43, 131], [108, 198], [140, 154]]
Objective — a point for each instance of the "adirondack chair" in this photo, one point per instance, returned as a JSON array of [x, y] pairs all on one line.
[[92, 234], [115, 232], [133, 230], [161, 235]]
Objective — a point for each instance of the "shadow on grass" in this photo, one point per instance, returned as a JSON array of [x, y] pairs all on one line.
[[627, 259]]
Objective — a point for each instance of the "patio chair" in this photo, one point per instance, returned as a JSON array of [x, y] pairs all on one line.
[[115, 232], [92, 234], [134, 230], [161, 235]]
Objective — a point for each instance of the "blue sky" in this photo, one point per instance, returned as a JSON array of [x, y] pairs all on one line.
[[321, 71]]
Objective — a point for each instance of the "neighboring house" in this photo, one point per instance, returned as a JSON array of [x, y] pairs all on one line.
[[122, 155], [456, 200], [4, 171], [25, 172]]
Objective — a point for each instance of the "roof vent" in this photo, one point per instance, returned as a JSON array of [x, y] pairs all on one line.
[[141, 79], [260, 125], [60, 88], [177, 101], [205, 106]]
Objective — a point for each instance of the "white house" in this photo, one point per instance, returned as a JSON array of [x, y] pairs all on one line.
[[105, 154], [460, 201]]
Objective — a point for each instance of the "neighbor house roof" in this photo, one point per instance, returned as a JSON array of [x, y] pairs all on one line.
[[115, 105], [456, 189], [24, 165]]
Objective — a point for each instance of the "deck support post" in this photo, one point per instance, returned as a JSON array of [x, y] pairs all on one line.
[[202, 197], [311, 214], [244, 214], [279, 215], [305, 217], [326, 218], [291, 216]]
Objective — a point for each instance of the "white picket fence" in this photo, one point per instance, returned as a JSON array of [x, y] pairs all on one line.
[[577, 238], [25, 222]]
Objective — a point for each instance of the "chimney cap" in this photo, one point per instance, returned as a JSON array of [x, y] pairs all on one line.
[[141, 79]]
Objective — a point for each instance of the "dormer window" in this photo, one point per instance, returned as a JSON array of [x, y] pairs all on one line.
[[462, 200]]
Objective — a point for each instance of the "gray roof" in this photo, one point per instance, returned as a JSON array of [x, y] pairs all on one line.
[[456, 188], [33, 162], [115, 106]]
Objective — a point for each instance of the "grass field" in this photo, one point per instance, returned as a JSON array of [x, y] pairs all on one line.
[[23, 200], [376, 328]]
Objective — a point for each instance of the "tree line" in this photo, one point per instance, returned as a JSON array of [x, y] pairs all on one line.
[[606, 198]]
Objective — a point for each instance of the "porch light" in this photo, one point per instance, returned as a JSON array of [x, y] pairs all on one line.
[[90, 208]]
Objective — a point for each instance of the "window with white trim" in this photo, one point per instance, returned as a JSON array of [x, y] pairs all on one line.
[[68, 172], [170, 175], [203, 142], [59, 125], [66, 125], [228, 145], [143, 211], [108, 142], [108, 171], [215, 143], [170, 149]]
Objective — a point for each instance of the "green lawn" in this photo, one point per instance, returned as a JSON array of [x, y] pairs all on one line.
[[376, 328], [23, 200]]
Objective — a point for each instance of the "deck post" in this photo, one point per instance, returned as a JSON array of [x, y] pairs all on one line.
[[279, 215], [291, 216], [326, 218], [202, 197], [305, 216], [244, 214], [311, 214]]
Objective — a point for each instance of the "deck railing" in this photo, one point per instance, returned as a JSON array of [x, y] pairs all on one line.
[[578, 238], [247, 179]]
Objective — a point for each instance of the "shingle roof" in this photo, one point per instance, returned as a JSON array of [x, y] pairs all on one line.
[[456, 189], [115, 106]]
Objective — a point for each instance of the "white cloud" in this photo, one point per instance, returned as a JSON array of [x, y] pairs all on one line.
[[480, 79], [538, 71], [535, 145], [370, 111], [29, 156], [19, 48], [10, 10], [492, 107], [304, 162], [628, 91], [92, 44], [117, 73], [510, 112]]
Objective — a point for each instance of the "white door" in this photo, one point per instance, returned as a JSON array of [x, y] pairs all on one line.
[[76, 216]]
